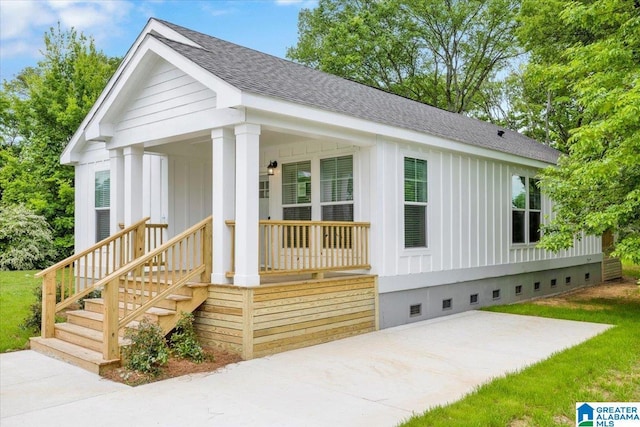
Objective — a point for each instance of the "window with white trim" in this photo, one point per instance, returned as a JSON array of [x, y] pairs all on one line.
[[526, 209], [102, 204], [336, 188], [415, 203], [296, 191]]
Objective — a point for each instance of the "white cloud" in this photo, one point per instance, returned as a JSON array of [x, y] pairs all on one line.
[[23, 22], [303, 3]]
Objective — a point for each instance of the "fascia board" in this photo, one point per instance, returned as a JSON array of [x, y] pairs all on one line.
[[152, 27], [329, 118]]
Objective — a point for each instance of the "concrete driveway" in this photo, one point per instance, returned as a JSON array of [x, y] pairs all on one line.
[[377, 379]]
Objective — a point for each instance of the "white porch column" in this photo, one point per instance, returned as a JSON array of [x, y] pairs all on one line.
[[132, 184], [116, 192], [247, 205], [223, 198]]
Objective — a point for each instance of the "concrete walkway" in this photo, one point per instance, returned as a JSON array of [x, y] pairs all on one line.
[[377, 379]]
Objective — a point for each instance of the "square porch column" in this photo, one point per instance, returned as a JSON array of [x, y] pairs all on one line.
[[247, 205], [116, 191], [223, 198], [132, 184]]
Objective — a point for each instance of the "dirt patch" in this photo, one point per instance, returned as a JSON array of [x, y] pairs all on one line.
[[587, 298], [215, 359]]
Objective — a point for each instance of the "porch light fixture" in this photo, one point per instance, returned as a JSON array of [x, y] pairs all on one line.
[[272, 166]]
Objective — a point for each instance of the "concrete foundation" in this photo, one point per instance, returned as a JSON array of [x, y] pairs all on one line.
[[402, 307]]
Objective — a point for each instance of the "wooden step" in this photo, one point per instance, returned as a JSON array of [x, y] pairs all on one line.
[[81, 336], [139, 297], [93, 320], [87, 359], [95, 305]]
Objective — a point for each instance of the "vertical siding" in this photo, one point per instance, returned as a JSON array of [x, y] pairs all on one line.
[[190, 182], [469, 216]]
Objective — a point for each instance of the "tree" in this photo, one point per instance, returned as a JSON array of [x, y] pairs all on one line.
[[41, 109], [596, 186], [441, 52], [25, 239]]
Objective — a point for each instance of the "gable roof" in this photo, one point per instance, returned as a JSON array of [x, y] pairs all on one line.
[[262, 74]]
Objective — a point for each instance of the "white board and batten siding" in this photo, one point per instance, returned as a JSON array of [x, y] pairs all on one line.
[[468, 214], [167, 93]]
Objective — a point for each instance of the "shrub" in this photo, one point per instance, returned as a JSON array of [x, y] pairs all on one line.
[[148, 350], [26, 242], [184, 342], [33, 322]]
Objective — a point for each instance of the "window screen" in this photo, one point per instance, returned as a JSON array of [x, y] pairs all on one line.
[[415, 202], [102, 204]]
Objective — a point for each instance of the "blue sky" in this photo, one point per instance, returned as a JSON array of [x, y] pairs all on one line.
[[266, 25]]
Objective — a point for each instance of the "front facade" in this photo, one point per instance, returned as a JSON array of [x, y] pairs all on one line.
[[445, 210]]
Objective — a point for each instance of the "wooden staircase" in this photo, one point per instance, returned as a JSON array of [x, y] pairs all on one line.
[[79, 340], [158, 284]]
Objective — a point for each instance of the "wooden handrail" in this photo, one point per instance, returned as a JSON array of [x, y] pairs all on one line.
[[145, 283], [95, 247]]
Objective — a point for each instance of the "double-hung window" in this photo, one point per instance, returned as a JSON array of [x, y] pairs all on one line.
[[415, 203], [102, 203], [526, 209], [296, 191], [336, 188]]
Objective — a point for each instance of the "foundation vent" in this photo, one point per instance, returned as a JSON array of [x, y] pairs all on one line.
[[496, 294], [518, 289], [587, 276], [554, 282], [567, 280], [446, 304], [473, 299], [415, 310], [536, 286]]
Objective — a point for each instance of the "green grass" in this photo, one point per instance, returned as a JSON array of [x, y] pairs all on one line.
[[16, 296], [631, 270], [604, 368]]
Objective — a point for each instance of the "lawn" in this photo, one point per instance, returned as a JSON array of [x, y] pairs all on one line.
[[16, 296], [605, 368]]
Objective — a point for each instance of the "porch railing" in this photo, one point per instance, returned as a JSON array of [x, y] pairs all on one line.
[[65, 282], [292, 247]]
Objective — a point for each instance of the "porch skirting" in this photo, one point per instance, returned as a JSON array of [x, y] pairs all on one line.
[[272, 318]]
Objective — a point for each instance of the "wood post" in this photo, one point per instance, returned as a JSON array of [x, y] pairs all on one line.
[[48, 305], [247, 324], [110, 349], [139, 244], [207, 252]]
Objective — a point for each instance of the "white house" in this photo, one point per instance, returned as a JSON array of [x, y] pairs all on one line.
[[442, 211]]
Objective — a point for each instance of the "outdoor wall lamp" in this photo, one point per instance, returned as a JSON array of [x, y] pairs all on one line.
[[272, 167]]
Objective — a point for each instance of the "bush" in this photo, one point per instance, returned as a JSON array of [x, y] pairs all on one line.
[[26, 242], [148, 350], [33, 322], [184, 342]]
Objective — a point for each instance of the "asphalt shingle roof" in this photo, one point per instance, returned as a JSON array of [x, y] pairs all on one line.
[[262, 74]]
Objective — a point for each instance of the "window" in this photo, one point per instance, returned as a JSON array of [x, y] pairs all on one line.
[[554, 282], [518, 289], [415, 203], [336, 188], [473, 299], [567, 280], [496, 294], [526, 206], [296, 191], [102, 204], [536, 286]]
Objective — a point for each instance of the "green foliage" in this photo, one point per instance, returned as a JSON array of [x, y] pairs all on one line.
[[439, 52], [184, 342], [25, 239], [33, 322], [597, 184], [16, 297], [39, 112], [148, 350]]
